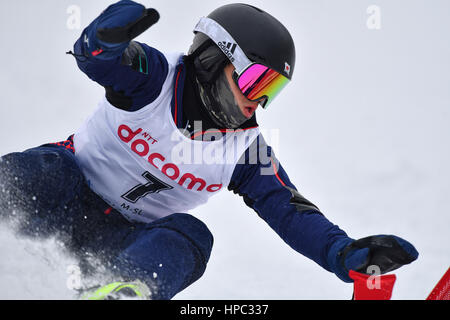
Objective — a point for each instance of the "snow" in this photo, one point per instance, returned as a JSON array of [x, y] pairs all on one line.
[[363, 133], [33, 270]]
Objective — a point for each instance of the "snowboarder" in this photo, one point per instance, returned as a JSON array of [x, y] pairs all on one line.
[[120, 188]]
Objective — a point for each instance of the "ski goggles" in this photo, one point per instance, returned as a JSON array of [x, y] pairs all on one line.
[[257, 82], [260, 83]]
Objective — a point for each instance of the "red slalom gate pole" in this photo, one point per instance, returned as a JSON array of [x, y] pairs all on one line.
[[442, 290], [366, 287]]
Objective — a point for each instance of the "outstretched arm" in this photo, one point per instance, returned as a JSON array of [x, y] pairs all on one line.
[[266, 188], [132, 73]]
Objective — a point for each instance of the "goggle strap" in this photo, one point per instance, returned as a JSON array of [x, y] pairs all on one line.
[[225, 42]]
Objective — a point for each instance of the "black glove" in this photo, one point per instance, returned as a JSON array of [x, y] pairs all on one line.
[[106, 32], [109, 35], [385, 252]]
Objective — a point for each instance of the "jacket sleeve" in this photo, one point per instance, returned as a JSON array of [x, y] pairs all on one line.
[[266, 188], [132, 73]]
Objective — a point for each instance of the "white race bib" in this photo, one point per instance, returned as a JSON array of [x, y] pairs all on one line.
[[144, 167]]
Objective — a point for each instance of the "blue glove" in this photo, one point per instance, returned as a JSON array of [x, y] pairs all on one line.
[[387, 252], [110, 34]]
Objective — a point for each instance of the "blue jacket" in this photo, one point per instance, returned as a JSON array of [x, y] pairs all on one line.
[[133, 76]]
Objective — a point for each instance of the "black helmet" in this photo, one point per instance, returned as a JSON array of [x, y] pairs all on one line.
[[262, 37], [240, 34]]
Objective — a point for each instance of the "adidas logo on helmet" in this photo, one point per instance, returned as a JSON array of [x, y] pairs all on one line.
[[228, 49]]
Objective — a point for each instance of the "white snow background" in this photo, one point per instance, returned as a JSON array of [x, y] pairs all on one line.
[[364, 134]]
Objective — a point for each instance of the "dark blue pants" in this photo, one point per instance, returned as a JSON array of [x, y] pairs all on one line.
[[44, 191]]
